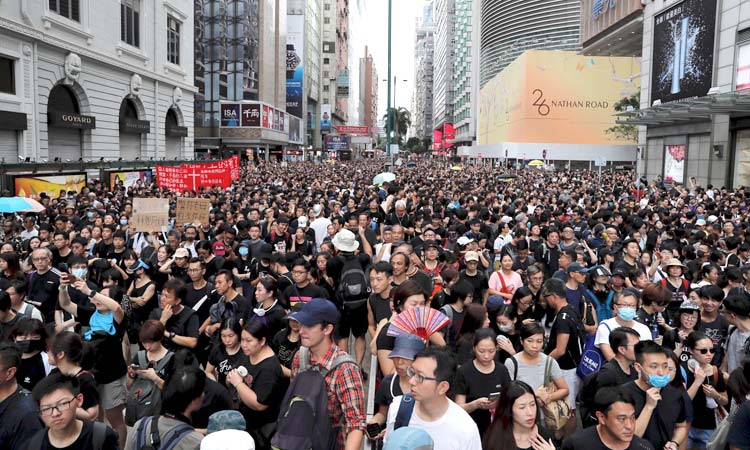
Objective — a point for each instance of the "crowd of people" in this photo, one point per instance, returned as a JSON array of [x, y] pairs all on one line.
[[577, 311]]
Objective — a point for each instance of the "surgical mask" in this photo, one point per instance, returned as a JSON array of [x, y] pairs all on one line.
[[243, 251], [626, 313], [90, 215], [658, 381], [123, 221], [505, 328], [79, 273]]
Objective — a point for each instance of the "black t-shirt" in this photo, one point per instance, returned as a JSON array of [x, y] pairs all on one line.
[[215, 398], [474, 384], [88, 387], [43, 289], [84, 441], [294, 295], [213, 267], [224, 362], [102, 249], [195, 296], [612, 374], [31, 371], [185, 323], [479, 282], [670, 411], [423, 281], [181, 273], [567, 321], [109, 364], [717, 330], [703, 417], [19, 420], [5, 327], [57, 259], [389, 389], [269, 384], [284, 348], [588, 439], [274, 317], [381, 307], [383, 341]]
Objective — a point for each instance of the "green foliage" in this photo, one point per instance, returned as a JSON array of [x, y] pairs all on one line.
[[626, 132], [400, 120]]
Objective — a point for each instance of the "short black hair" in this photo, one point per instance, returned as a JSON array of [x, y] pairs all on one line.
[[182, 388], [446, 363], [383, 267], [619, 337], [608, 396], [5, 302], [178, 287], [738, 305], [555, 287], [649, 347], [55, 382], [10, 356]]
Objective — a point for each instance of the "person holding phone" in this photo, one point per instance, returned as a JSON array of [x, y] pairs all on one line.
[[478, 383]]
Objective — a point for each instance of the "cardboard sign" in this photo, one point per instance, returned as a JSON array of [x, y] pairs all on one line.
[[193, 210], [150, 214]]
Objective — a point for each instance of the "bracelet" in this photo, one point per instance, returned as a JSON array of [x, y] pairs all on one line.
[[677, 446]]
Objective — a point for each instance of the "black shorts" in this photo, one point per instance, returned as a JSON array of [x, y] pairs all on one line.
[[353, 321]]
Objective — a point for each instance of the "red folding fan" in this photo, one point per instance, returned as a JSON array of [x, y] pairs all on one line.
[[422, 322]]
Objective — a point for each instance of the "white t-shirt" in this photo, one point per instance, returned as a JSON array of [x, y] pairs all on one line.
[[602, 333], [456, 430]]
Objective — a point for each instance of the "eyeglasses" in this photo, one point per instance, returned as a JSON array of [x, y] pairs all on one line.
[[60, 407], [626, 305], [704, 351], [299, 272], [411, 373]]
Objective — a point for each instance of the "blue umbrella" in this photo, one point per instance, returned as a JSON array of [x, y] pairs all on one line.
[[19, 204]]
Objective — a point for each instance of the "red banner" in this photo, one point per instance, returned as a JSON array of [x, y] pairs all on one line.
[[437, 140], [353, 129], [191, 177]]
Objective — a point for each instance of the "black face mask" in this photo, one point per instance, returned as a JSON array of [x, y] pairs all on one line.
[[29, 345]]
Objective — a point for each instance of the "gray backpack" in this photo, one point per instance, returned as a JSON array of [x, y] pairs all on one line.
[[144, 396]]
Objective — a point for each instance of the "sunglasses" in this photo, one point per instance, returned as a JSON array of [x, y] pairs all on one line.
[[704, 351]]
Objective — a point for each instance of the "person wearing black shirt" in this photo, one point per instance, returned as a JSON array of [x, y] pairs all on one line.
[[564, 340], [477, 278], [61, 251], [660, 407], [180, 321], [59, 397], [105, 246], [302, 291], [43, 284], [19, 414], [616, 426]]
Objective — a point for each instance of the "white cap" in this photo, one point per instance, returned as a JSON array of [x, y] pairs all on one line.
[[228, 440]]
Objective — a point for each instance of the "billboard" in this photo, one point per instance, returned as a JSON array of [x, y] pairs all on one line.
[[353, 129], [295, 56], [230, 114], [437, 140], [128, 179], [265, 117], [337, 143], [325, 118], [556, 97], [342, 84], [296, 130], [53, 185], [449, 134], [674, 163], [251, 115], [683, 56]]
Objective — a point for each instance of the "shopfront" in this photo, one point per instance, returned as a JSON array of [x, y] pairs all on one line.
[[11, 126], [173, 135], [66, 125], [132, 130]]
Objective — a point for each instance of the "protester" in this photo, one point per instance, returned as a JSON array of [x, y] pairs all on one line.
[[19, 413], [518, 422]]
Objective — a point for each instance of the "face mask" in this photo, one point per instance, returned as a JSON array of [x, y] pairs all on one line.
[[123, 221], [79, 273], [626, 314], [505, 328], [28, 345], [658, 381], [243, 251], [90, 215]]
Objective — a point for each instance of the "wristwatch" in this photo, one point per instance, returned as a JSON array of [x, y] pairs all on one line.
[[171, 335], [92, 294]]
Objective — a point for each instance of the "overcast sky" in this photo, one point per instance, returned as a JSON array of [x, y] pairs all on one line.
[[371, 29]]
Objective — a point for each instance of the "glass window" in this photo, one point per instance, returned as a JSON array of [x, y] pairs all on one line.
[[70, 9], [742, 158], [7, 76], [173, 40], [130, 22]]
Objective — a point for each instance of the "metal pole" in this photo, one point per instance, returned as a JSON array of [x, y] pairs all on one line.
[[388, 109]]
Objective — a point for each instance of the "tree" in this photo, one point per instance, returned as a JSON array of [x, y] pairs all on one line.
[[626, 132], [400, 122], [414, 144]]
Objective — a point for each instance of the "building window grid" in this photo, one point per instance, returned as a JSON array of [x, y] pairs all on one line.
[[70, 9], [173, 40], [7, 76], [130, 22]]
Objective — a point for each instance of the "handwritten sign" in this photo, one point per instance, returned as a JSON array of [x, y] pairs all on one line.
[[150, 214], [193, 210]]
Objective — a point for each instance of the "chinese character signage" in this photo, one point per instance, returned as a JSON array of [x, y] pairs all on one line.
[[251, 115], [194, 176]]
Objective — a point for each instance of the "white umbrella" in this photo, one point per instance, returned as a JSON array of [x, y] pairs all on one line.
[[384, 177]]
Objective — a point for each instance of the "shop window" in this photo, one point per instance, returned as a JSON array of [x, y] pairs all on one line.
[[7, 76]]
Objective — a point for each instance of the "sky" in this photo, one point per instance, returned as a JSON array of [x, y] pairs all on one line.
[[369, 26]]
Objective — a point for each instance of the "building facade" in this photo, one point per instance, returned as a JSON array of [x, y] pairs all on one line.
[[368, 94], [335, 66], [313, 64], [695, 91], [87, 80], [611, 29], [424, 53], [510, 27], [240, 56], [445, 55], [465, 70]]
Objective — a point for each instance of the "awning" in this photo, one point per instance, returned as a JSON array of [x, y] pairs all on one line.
[[688, 110]]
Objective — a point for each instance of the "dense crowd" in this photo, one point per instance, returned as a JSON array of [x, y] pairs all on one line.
[[505, 309]]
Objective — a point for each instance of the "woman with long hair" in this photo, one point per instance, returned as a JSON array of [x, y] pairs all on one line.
[[226, 354], [70, 354], [10, 267], [527, 308], [320, 274], [506, 326], [267, 307], [475, 318], [477, 382], [517, 424], [505, 281]]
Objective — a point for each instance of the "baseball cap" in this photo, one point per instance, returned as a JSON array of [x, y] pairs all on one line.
[[464, 240], [408, 438], [690, 305], [700, 222], [219, 248], [317, 310], [471, 256], [406, 346], [301, 222], [181, 253], [576, 267], [317, 209], [619, 272], [601, 271]]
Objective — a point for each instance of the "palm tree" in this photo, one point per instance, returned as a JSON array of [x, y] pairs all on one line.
[[400, 123]]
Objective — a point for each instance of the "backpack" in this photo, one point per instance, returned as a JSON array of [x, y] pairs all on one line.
[[144, 397], [353, 289], [151, 440], [603, 310], [405, 410], [97, 440], [304, 420], [591, 358]]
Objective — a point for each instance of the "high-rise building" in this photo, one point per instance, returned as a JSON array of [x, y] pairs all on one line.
[[335, 67], [313, 59], [368, 93], [445, 55], [240, 56], [465, 70], [424, 53], [82, 80], [510, 27], [611, 29]]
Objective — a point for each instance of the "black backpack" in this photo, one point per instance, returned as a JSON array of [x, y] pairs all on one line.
[[353, 289], [97, 440], [304, 420], [144, 396]]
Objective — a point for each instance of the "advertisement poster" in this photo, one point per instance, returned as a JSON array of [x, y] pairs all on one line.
[[266, 112], [296, 132], [683, 59], [251, 115], [325, 118], [437, 140], [295, 56], [230, 115], [129, 179], [674, 163], [53, 185], [337, 143], [194, 176], [743, 67]]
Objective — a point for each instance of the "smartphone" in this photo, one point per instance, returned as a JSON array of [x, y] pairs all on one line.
[[493, 397], [135, 367], [373, 429]]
